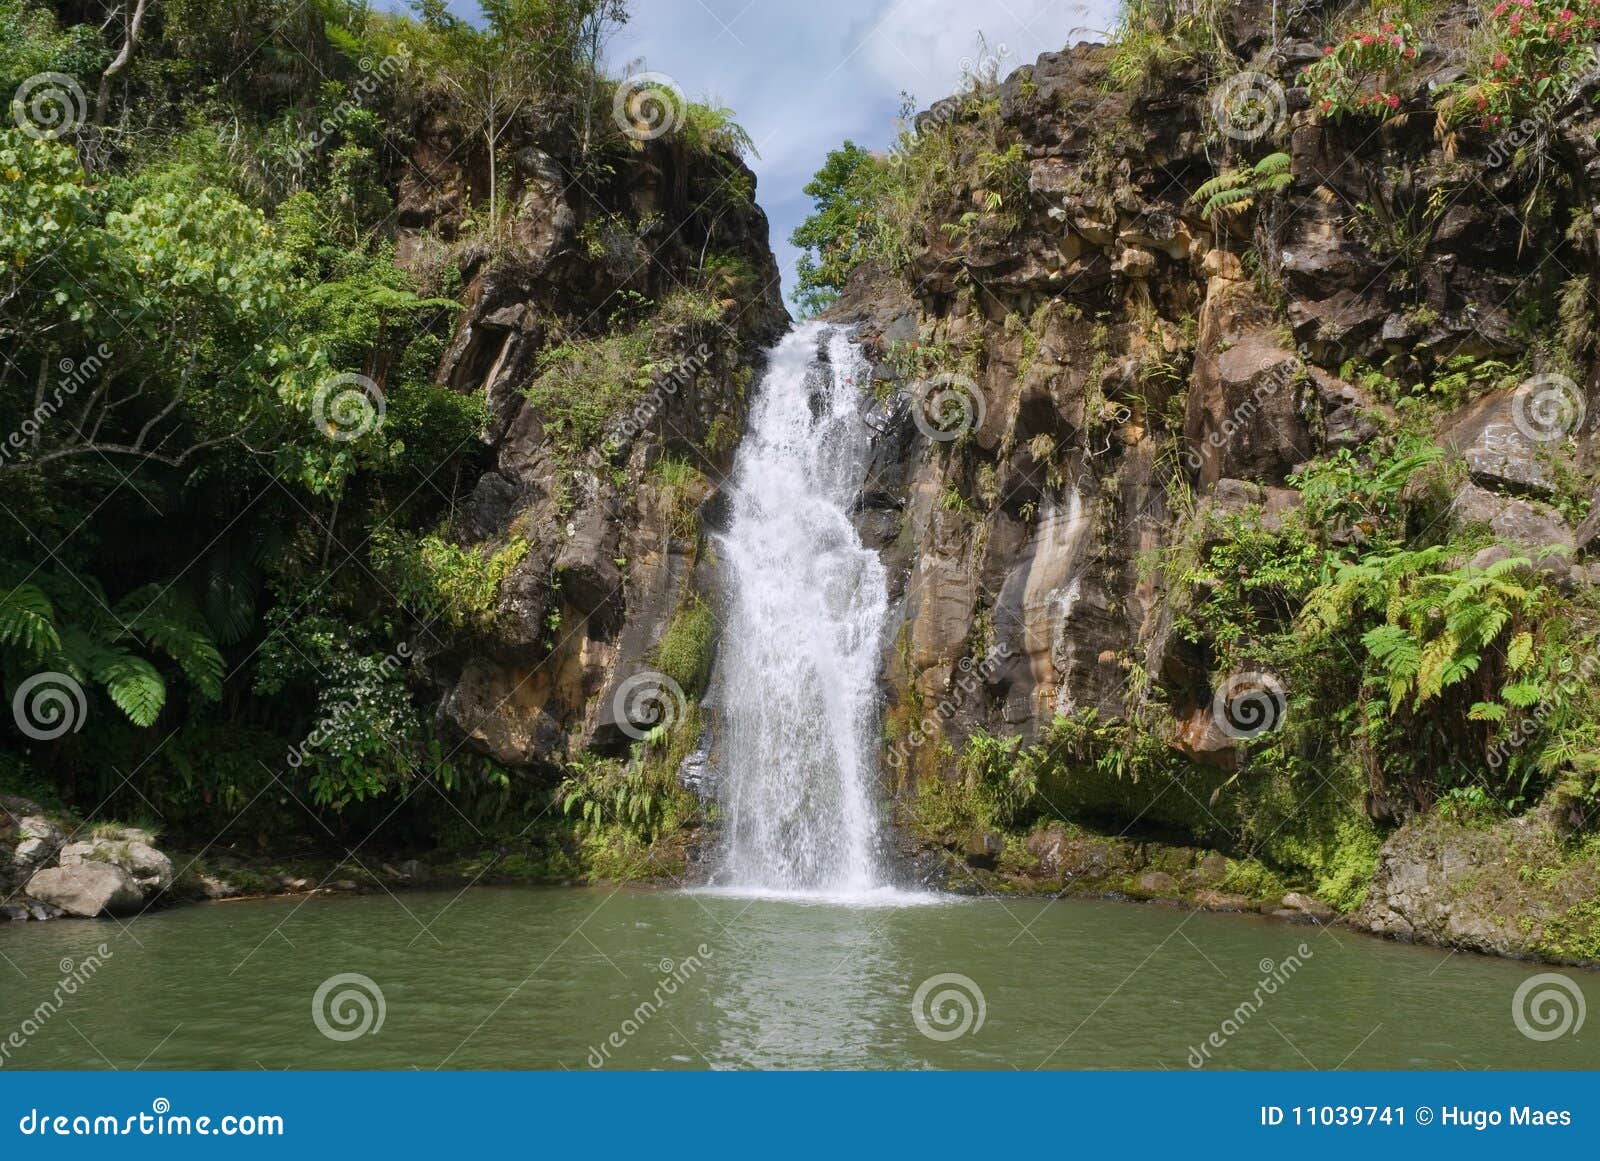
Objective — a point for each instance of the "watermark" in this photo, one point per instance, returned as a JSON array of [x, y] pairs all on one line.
[[160, 1121], [947, 406], [74, 975], [648, 106], [1548, 1006], [1249, 704], [949, 1006], [372, 75], [1244, 412], [654, 401], [347, 407], [1273, 977], [73, 375], [348, 1006], [49, 705], [674, 975], [1527, 727], [1248, 105], [1548, 408], [646, 702], [48, 106], [328, 725], [1563, 88], [972, 675]]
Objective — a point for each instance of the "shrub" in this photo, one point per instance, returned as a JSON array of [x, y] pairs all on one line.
[[1358, 75], [1535, 55]]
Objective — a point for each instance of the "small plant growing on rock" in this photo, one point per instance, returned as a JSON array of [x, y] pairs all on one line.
[[1536, 57], [1237, 190], [1359, 74]]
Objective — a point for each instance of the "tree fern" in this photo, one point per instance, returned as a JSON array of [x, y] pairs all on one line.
[[168, 620]]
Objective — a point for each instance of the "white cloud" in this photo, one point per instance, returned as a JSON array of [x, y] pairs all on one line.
[[805, 75]]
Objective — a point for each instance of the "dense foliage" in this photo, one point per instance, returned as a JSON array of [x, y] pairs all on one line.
[[227, 471]]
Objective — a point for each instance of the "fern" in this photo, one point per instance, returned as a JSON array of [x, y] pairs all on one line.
[[135, 686], [168, 620], [1236, 190], [27, 621]]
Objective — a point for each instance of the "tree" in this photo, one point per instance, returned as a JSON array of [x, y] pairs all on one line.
[[494, 73], [838, 235]]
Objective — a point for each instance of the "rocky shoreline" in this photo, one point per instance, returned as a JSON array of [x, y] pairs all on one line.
[[1456, 887]]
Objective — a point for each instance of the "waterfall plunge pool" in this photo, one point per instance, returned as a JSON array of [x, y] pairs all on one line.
[[644, 979]]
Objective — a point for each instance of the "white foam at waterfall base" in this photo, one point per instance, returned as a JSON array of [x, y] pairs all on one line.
[[802, 640]]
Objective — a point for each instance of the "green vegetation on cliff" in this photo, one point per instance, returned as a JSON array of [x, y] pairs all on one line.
[[1310, 469], [235, 473]]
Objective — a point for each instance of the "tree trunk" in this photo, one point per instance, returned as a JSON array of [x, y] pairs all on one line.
[[120, 62]]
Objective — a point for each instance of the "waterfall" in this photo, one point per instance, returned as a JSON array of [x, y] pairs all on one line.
[[803, 636]]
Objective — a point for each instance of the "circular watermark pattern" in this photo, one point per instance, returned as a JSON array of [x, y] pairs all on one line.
[[947, 406], [1248, 105], [646, 702], [948, 1006], [48, 705], [1548, 408], [1548, 1006], [1248, 705], [347, 407], [648, 105], [48, 106], [348, 1006]]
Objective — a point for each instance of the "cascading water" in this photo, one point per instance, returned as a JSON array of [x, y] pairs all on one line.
[[802, 643]]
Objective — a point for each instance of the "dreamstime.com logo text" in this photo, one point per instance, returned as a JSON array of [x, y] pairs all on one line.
[[73, 977], [160, 1121], [644, 412], [972, 675], [1273, 977], [673, 977], [73, 375]]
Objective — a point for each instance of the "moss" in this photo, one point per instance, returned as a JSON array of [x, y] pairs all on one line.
[[1574, 934], [687, 647], [1253, 879]]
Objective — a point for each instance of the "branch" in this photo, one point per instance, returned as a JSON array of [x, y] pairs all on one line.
[[103, 97]]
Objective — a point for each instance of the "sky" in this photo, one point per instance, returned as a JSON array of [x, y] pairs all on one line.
[[805, 75]]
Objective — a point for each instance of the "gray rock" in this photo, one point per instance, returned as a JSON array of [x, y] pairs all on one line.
[[40, 839], [213, 887], [415, 870], [87, 889], [1306, 905], [150, 868], [1156, 883], [1524, 524], [1497, 451], [1213, 900]]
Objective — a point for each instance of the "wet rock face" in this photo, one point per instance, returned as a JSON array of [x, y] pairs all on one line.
[[1115, 323], [606, 565]]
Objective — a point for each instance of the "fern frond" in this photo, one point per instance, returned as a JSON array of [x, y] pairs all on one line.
[[135, 686], [28, 621]]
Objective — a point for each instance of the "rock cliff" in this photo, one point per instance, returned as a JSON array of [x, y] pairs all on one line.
[[1088, 380]]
